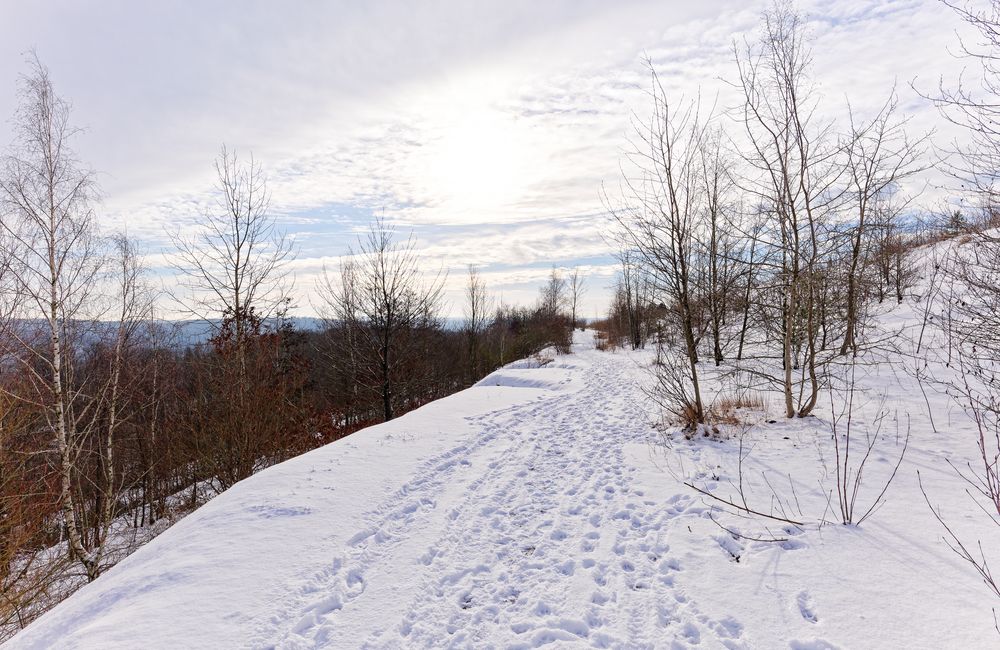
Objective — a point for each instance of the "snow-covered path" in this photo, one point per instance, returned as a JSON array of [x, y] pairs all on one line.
[[531, 531], [536, 509]]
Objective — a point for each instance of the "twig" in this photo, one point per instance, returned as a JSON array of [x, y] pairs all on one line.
[[744, 509]]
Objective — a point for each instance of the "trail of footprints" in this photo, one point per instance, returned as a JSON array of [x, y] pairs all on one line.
[[343, 579], [562, 549]]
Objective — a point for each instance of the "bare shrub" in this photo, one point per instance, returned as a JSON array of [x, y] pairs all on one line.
[[602, 341], [671, 390], [853, 452]]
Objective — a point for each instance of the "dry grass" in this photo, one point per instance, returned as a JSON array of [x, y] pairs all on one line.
[[728, 409], [724, 411]]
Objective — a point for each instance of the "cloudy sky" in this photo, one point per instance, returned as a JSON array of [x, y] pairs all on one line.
[[485, 127]]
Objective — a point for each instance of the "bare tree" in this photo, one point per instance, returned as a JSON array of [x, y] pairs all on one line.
[[753, 257], [628, 307], [386, 300], [552, 295], [895, 270], [55, 266], [234, 267], [965, 285], [718, 247], [966, 299], [553, 301], [575, 290], [133, 309], [233, 270], [976, 164], [477, 308], [879, 156], [795, 160], [661, 212]]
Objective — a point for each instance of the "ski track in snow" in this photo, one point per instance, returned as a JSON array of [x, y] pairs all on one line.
[[548, 542]]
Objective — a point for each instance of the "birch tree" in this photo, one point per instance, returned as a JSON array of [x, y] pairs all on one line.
[[55, 265], [795, 162]]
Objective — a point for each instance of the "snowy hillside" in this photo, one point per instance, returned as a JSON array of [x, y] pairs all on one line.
[[544, 506]]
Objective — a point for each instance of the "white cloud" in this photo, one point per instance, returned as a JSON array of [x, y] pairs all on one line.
[[487, 126]]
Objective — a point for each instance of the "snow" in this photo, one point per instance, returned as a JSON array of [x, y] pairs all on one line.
[[544, 507]]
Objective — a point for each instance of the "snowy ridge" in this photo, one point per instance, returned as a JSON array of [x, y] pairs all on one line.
[[542, 507]]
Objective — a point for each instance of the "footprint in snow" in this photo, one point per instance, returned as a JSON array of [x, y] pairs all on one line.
[[691, 633], [729, 627], [355, 583], [666, 616], [566, 568], [807, 607]]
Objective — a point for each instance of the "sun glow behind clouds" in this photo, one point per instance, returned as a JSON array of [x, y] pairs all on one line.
[[478, 164]]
